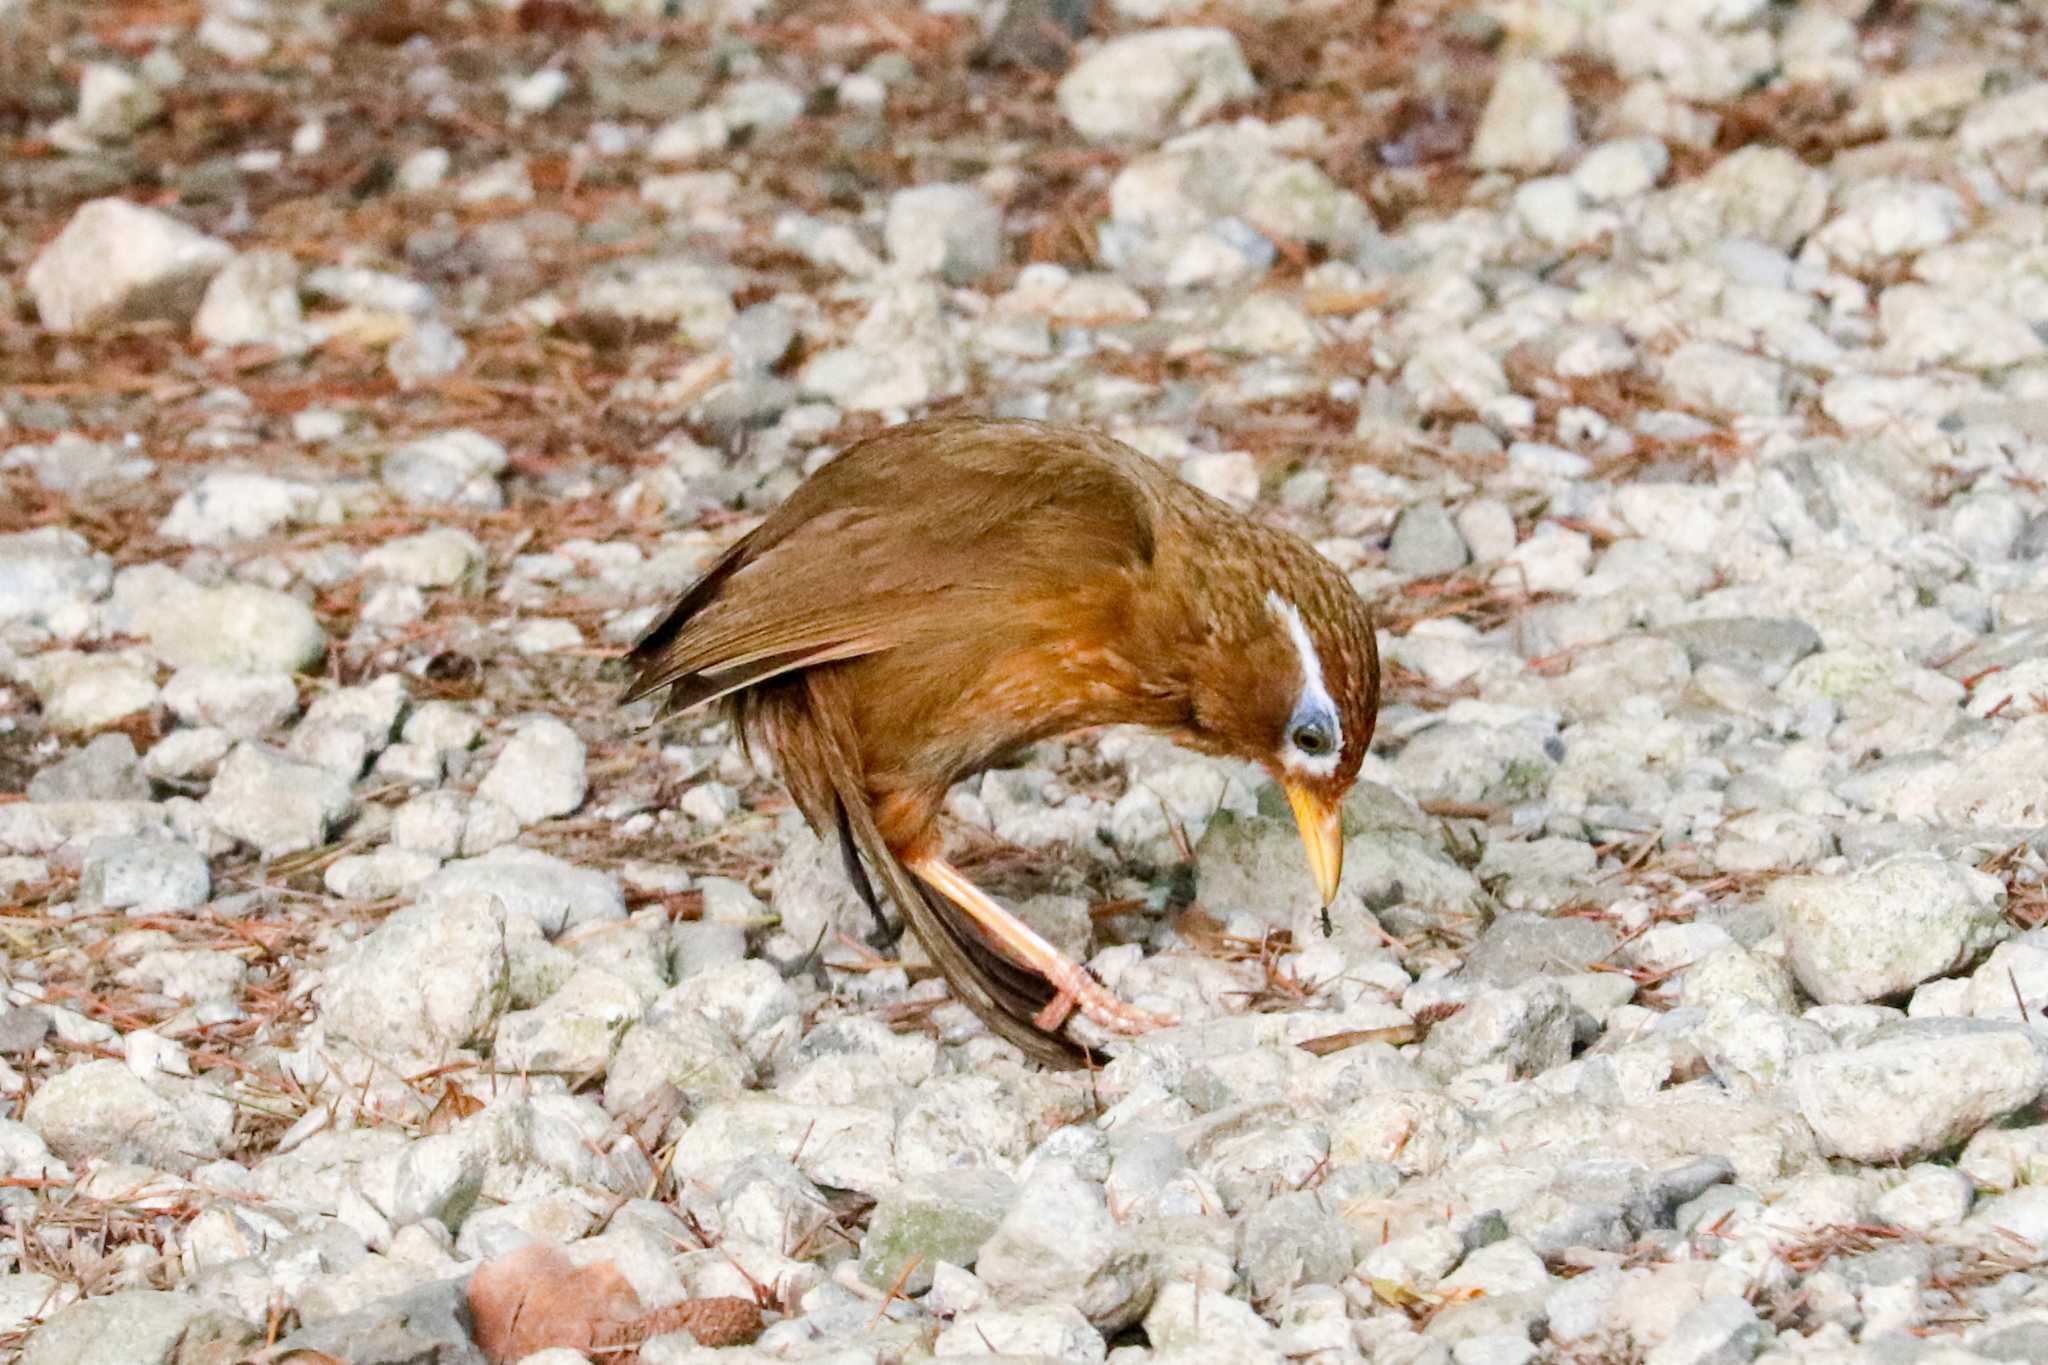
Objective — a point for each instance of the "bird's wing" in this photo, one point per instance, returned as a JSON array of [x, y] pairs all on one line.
[[891, 539]]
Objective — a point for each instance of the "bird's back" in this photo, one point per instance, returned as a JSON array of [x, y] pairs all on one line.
[[894, 539]]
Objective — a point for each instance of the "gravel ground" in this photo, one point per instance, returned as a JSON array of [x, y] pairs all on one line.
[[1672, 375]]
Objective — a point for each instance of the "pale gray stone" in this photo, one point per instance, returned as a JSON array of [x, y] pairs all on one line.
[[440, 557], [1146, 84], [1526, 1028], [379, 874], [555, 895], [232, 505], [234, 626], [83, 692], [1919, 1086], [1761, 647], [44, 570], [1294, 1239], [458, 467], [106, 769], [113, 103], [242, 705], [255, 302], [100, 1110], [429, 980], [1724, 1330], [145, 873], [574, 1031], [1887, 928], [1426, 543], [943, 1216], [1060, 1243], [120, 262], [275, 803], [539, 774], [679, 1052], [952, 231], [1527, 124]]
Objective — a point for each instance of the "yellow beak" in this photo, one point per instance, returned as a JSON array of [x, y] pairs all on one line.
[[1322, 832]]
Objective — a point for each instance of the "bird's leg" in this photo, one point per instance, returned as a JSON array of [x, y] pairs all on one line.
[[1072, 982]]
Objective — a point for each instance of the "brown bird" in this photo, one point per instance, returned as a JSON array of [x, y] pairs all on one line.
[[949, 591]]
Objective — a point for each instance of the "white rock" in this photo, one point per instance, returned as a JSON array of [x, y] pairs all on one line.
[[901, 354], [187, 755], [547, 635], [1060, 1243], [81, 693], [155, 874], [458, 467], [431, 823], [119, 262], [100, 1110], [1488, 527], [113, 104], [372, 291], [952, 231], [574, 1031], [689, 136], [1451, 372], [1881, 220], [1553, 211], [1268, 324], [45, 571], [540, 774], [1926, 326], [539, 92], [430, 979], [1723, 1328], [243, 705], [441, 557], [1527, 124], [234, 505], [234, 626], [1040, 1331], [1527, 1029], [233, 39], [1917, 1087], [1720, 378], [1621, 169], [378, 875], [429, 350], [1760, 192], [274, 803], [2003, 785], [423, 170], [557, 896], [1925, 1197], [254, 301], [2018, 116], [1144, 85], [763, 105], [1887, 928]]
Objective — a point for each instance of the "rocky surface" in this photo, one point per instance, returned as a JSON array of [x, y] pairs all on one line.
[[1672, 378]]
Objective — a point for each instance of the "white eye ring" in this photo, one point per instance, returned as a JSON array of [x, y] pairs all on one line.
[[1312, 739]]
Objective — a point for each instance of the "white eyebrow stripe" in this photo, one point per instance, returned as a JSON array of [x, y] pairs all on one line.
[[1315, 691]]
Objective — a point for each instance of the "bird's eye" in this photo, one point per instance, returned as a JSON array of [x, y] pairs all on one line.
[[1312, 739]]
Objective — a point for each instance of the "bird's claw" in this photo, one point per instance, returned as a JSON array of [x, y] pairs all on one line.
[[1077, 989]]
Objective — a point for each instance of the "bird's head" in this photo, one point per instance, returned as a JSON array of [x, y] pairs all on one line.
[[1291, 683]]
